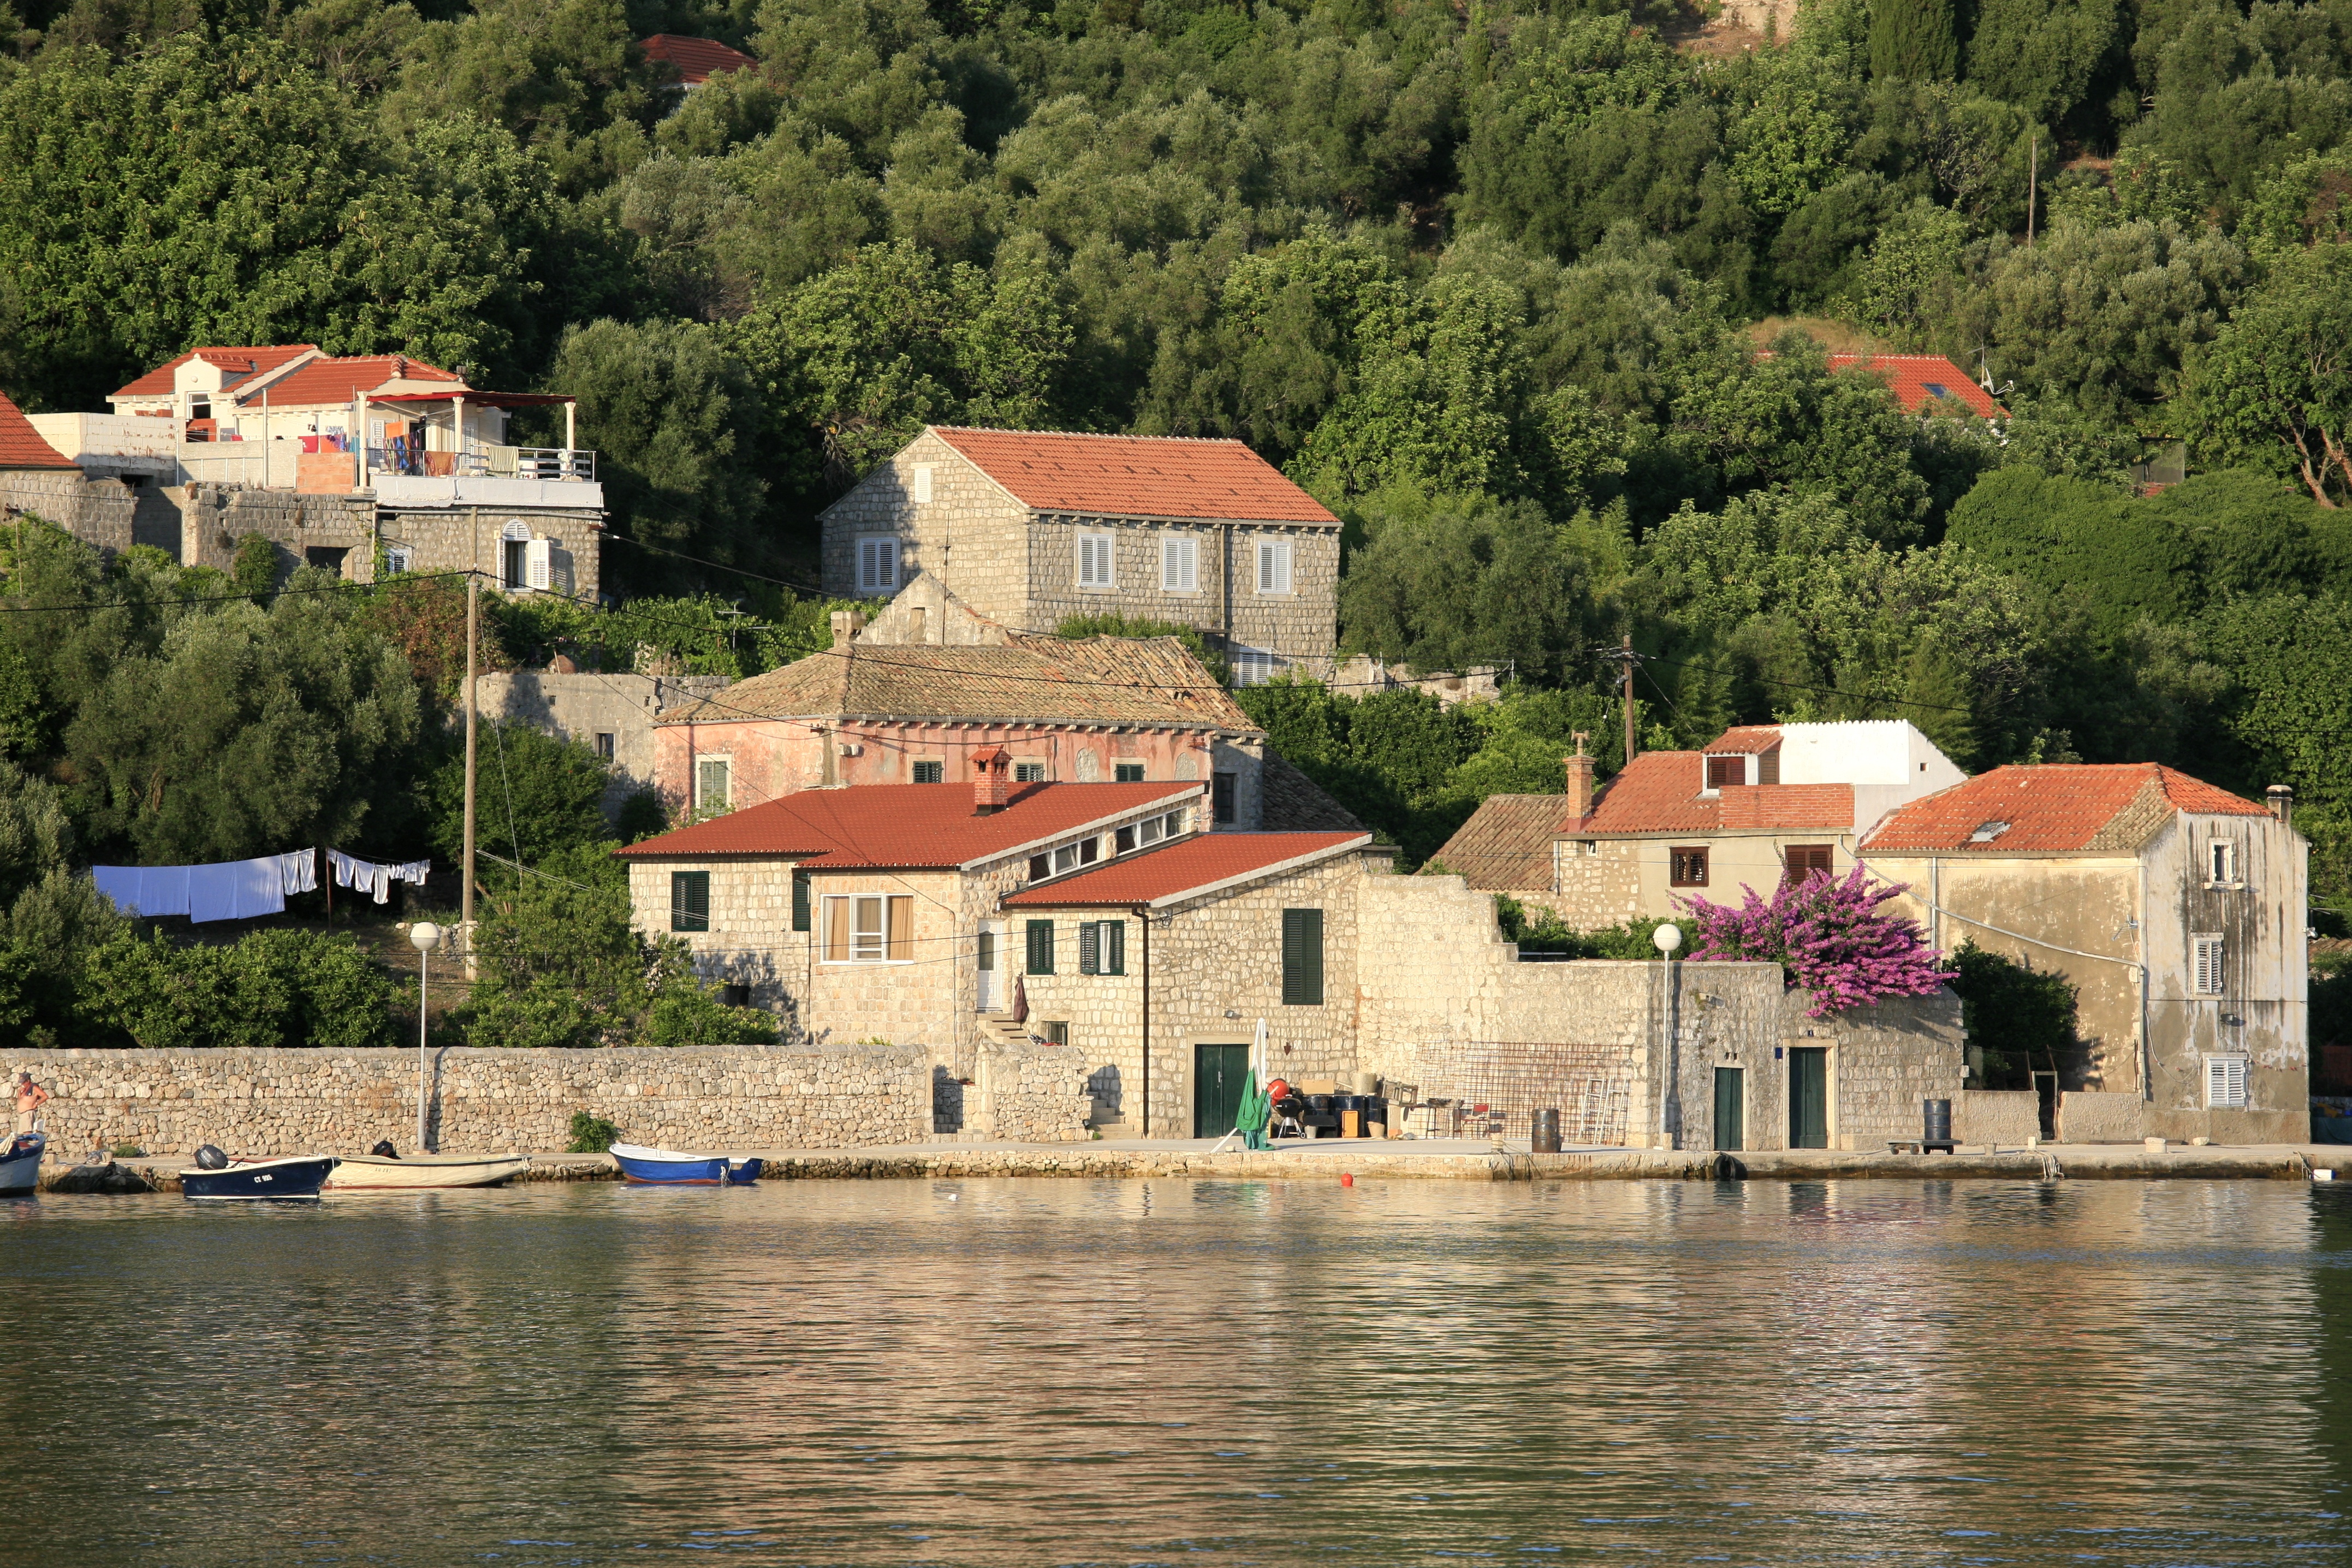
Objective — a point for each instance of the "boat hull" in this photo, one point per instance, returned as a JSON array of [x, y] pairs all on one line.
[[20, 1162], [372, 1173], [299, 1177], [663, 1168]]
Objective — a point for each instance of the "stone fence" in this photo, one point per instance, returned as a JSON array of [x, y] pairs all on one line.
[[342, 1101], [1034, 1094]]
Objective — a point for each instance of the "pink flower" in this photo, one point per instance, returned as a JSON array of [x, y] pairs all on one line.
[[1830, 938]]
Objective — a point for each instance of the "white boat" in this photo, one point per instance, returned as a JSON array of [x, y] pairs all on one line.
[[378, 1172], [20, 1162]]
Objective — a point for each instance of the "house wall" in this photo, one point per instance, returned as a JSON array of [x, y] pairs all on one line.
[[580, 705], [972, 536], [96, 511], [460, 539], [1629, 878], [214, 517]]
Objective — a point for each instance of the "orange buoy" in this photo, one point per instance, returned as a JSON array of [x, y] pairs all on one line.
[[1347, 1181]]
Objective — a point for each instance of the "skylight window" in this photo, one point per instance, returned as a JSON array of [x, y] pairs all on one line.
[[1988, 832], [1938, 389]]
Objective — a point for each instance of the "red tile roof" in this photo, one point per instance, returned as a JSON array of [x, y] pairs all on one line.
[[1917, 378], [696, 59], [1744, 739], [21, 446], [158, 381], [931, 825], [331, 383], [2052, 808], [1135, 475], [1186, 868], [1507, 844], [1660, 793]]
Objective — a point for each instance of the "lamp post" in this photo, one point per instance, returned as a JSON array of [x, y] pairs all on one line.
[[424, 936], [1669, 939]]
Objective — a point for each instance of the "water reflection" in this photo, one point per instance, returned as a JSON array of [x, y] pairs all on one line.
[[1068, 1371]]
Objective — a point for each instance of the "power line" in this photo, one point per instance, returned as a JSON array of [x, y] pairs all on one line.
[[722, 566], [227, 598]]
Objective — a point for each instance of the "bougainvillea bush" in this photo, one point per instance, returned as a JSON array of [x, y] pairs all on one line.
[[1830, 937]]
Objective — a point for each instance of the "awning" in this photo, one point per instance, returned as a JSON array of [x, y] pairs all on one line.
[[492, 399]]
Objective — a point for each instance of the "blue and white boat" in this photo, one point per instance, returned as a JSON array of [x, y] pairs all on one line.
[[667, 1168], [295, 1176], [20, 1162]]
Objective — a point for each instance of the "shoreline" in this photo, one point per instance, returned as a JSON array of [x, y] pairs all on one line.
[[1460, 1161]]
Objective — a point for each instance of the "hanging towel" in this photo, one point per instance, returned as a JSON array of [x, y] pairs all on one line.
[[237, 890], [367, 876], [298, 871], [414, 871], [144, 889], [224, 891]]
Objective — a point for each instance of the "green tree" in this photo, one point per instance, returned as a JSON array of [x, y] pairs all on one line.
[[1913, 40], [2017, 1020], [2275, 388], [535, 797], [2041, 56]]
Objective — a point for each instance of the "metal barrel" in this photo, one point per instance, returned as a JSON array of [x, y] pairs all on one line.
[[1547, 1132], [1938, 1120]]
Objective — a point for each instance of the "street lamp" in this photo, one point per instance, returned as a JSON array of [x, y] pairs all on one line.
[[1669, 939], [425, 936]]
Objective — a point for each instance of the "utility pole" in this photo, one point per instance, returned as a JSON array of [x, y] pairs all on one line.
[[2033, 182], [466, 872], [1625, 659]]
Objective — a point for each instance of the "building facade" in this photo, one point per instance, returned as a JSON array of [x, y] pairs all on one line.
[[1032, 528]]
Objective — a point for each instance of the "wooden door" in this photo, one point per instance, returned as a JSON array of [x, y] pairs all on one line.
[[1730, 1108], [1809, 1098], [1218, 1074]]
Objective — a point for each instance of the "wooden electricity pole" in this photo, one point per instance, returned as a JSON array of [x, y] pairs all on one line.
[[466, 872], [1626, 661], [2033, 182]]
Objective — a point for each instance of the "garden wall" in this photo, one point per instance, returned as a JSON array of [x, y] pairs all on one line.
[[344, 1102]]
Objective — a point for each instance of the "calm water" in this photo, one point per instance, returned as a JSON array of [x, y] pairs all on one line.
[[1064, 1372]]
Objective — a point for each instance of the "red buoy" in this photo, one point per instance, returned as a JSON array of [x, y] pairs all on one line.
[[1347, 1181]]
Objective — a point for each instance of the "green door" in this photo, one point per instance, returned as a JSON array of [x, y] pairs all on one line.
[[1730, 1108], [1809, 1098], [1217, 1075]]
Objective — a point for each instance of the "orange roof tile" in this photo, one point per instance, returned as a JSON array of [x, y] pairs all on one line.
[[1661, 794], [1186, 868], [329, 382], [1744, 739], [2053, 807], [696, 59], [1135, 475], [1917, 378], [1507, 844], [250, 361], [21, 446], [928, 826]]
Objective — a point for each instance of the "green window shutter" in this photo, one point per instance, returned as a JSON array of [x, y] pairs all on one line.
[[1090, 949], [800, 901], [689, 900], [1302, 958], [1114, 947], [1041, 947]]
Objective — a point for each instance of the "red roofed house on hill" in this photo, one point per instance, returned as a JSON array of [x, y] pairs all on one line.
[[2176, 909], [696, 60], [37, 479], [1925, 384], [1760, 803], [1030, 528]]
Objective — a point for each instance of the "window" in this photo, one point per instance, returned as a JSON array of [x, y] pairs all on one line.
[[1722, 770], [1302, 958], [1102, 947], [1055, 1033], [396, 559], [1041, 947], [1255, 667], [800, 901], [605, 745], [869, 928], [930, 772], [1127, 772], [713, 783], [1274, 566], [689, 900], [1221, 796], [1180, 563], [878, 563], [922, 484], [517, 572], [1070, 856], [1040, 868], [2207, 963], [1028, 772], [1801, 860], [1095, 561], [2225, 1083], [1123, 840], [1686, 868], [2224, 859], [1767, 767]]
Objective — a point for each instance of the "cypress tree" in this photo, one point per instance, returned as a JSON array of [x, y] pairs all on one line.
[[1915, 41]]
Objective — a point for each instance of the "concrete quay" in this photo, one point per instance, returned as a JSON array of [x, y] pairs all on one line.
[[1404, 1159]]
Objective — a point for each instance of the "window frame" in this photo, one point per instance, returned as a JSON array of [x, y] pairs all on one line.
[[1733, 771], [1038, 953], [1102, 549], [607, 744], [935, 768], [687, 890], [922, 486], [2209, 963], [1174, 548], [847, 939], [725, 763], [1675, 865], [804, 916], [2221, 863], [868, 550], [1127, 772], [1028, 772], [1279, 555], [1826, 852], [2232, 1073], [1224, 798]]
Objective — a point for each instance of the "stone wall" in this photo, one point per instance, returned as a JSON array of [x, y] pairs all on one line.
[[1030, 1094], [473, 538], [331, 1102], [214, 517], [1995, 1117], [2088, 1117], [96, 511], [582, 705]]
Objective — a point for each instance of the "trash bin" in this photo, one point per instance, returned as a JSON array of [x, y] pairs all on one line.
[[1938, 1120], [1321, 1123], [1547, 1132]]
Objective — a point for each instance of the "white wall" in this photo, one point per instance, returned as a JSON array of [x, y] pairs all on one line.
[[1887, 761]]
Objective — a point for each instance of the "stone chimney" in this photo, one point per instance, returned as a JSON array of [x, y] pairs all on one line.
[[992, 775], [846, 623], [1580, 779], [2282, 803]]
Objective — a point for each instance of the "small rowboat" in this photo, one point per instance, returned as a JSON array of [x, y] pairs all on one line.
[[378, 1172], [296, 1176], [20, 1162], [662, 1167]]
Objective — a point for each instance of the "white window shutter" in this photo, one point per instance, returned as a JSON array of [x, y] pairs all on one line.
[[1274, 566], [922, 484], [2210, 965], [536, 567], [1180, 564], [2225, 1083]]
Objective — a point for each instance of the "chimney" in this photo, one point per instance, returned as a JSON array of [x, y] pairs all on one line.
[[846, 623], [2282, 803], [991, 772], [1580, 779]]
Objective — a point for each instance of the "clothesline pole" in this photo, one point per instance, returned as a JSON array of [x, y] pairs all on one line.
[[327, 880]]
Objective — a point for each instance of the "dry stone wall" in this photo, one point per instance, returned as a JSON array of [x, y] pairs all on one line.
[[330, 1101], [1033, 1094]]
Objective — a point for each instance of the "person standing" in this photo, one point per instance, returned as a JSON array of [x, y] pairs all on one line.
[[30, 1098]]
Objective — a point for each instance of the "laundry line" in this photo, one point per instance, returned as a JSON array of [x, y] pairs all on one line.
[[368, 877], [244, 890]]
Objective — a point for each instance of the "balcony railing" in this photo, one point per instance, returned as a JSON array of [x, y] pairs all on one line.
[[486, 462]]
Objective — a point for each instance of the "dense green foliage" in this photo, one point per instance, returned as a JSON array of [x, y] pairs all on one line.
[[2017, 1019]]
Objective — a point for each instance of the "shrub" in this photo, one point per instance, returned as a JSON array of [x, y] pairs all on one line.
[[591, 1134], [1828, 936], [2014, 1015]]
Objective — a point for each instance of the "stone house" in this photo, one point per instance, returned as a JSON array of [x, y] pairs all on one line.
[[612, 713], [1031, 527], [1758, 804], [38, 480], [914, 696], [2176, 909]]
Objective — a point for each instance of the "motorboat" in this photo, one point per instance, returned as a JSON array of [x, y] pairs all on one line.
[[389, 1173], [293, 1176], [20, 1162], [667, 1168]]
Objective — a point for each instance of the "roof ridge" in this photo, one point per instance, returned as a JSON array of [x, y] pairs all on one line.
[[1090, 434]]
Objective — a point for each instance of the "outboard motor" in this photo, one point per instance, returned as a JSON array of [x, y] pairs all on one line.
[[385, 1150], [210, 1158]]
